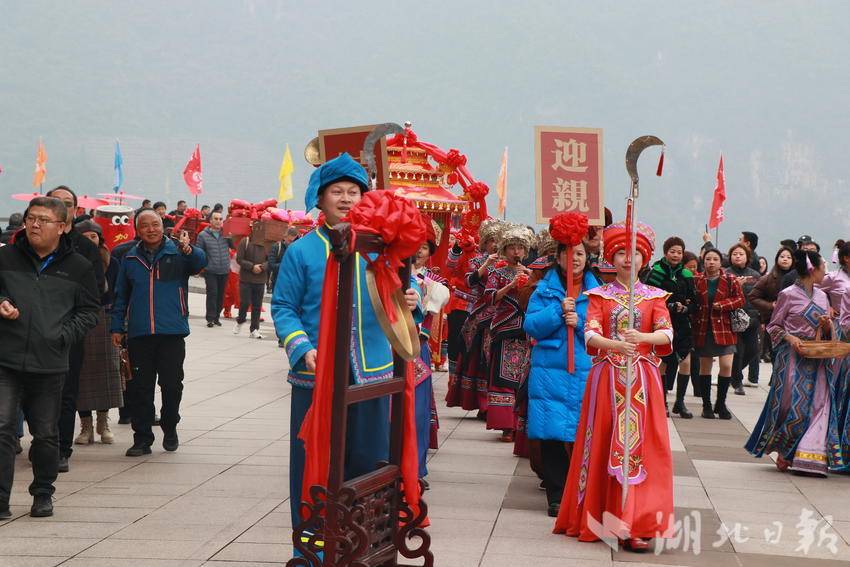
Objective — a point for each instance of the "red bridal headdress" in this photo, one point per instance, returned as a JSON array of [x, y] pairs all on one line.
[[616, 238]]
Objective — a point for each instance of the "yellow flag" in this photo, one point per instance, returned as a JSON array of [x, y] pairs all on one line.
[[285, 176], [502, 184], [40, 165]]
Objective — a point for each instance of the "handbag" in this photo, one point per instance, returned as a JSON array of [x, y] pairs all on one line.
[[740, 320], [125, 368]]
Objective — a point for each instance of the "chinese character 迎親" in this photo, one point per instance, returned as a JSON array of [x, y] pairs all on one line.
[[570, 156], [570, 195]]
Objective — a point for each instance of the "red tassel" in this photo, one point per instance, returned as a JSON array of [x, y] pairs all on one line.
[[660, 163]]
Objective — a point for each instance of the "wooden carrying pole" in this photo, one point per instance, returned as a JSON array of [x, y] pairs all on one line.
[[362, 521]]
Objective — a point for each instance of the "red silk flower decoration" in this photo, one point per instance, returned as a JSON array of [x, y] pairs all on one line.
[[501, 264], [402, 228], [407, 137], [467, 241], [522, 280], [455, 159], [568, 228], [478, 190]]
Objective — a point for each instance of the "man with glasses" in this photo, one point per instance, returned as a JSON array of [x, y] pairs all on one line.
[[71, 387], [48, 301]]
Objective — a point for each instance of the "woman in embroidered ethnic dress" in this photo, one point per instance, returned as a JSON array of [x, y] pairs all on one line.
[[841, 396], [468, 383], [594, 481], [797, 421], [509, 349]]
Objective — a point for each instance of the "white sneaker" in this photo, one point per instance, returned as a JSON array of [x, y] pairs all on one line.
[[237, 328], [256, 334]]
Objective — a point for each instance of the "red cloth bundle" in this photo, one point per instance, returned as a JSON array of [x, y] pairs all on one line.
[[254, 211]]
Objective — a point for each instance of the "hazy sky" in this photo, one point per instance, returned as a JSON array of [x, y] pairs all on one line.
[[765, 83]]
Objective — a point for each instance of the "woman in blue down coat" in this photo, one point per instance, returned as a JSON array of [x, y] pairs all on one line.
[[554, 395]]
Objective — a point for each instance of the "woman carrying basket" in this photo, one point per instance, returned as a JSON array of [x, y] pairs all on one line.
[[796, 421]]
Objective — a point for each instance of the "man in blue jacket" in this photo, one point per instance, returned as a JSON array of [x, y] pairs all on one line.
[[152, 290]]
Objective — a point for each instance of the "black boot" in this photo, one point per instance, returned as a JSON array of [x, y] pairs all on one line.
[[705, 391], [682, 389], [695, 377], [720, 409], [42, 506]]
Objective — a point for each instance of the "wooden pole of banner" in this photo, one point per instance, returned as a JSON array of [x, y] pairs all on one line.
[[717, 237]]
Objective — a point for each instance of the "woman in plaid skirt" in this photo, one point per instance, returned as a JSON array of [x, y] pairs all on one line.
[[717, 294]]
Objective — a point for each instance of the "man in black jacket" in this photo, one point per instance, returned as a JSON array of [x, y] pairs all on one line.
[[751, 241], [48, 301], [71, 386], [16, 223]]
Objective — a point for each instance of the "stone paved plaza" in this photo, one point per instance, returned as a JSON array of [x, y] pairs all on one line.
[[222, 499]]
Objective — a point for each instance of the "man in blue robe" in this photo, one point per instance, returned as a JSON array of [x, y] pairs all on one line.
[[335, 188]]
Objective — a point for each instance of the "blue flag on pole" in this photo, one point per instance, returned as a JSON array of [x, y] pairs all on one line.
[[119, 168]]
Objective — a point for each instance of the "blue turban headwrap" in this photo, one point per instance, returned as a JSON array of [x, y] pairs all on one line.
[[340, 168]]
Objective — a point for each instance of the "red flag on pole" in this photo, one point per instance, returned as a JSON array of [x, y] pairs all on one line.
[[192, 174], [719, 198]]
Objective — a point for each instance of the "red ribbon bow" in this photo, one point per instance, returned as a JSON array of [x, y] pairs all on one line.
[[400, 225]]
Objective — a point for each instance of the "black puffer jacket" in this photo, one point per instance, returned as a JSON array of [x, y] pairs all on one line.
[[679, 283], [58, 305]]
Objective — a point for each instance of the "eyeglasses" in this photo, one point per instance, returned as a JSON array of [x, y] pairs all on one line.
[[33, 220]]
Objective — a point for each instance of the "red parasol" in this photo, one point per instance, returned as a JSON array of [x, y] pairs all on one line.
[[26, 196], [119, 197], [87, 202]]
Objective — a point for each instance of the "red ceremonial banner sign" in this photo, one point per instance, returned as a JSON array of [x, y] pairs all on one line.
[[568, 172], [338, 140]]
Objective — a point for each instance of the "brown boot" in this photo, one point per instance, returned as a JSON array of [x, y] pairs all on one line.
[[106, 436], [86, 436]]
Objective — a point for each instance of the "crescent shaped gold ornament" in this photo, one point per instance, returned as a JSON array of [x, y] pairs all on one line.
[[633, 153], [402, 334], [311, 153]]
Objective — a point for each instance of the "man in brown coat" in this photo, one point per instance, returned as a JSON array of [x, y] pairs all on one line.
[[253, 273]]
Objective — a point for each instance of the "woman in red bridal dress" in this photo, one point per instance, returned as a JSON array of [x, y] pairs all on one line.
[[591, 507]]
